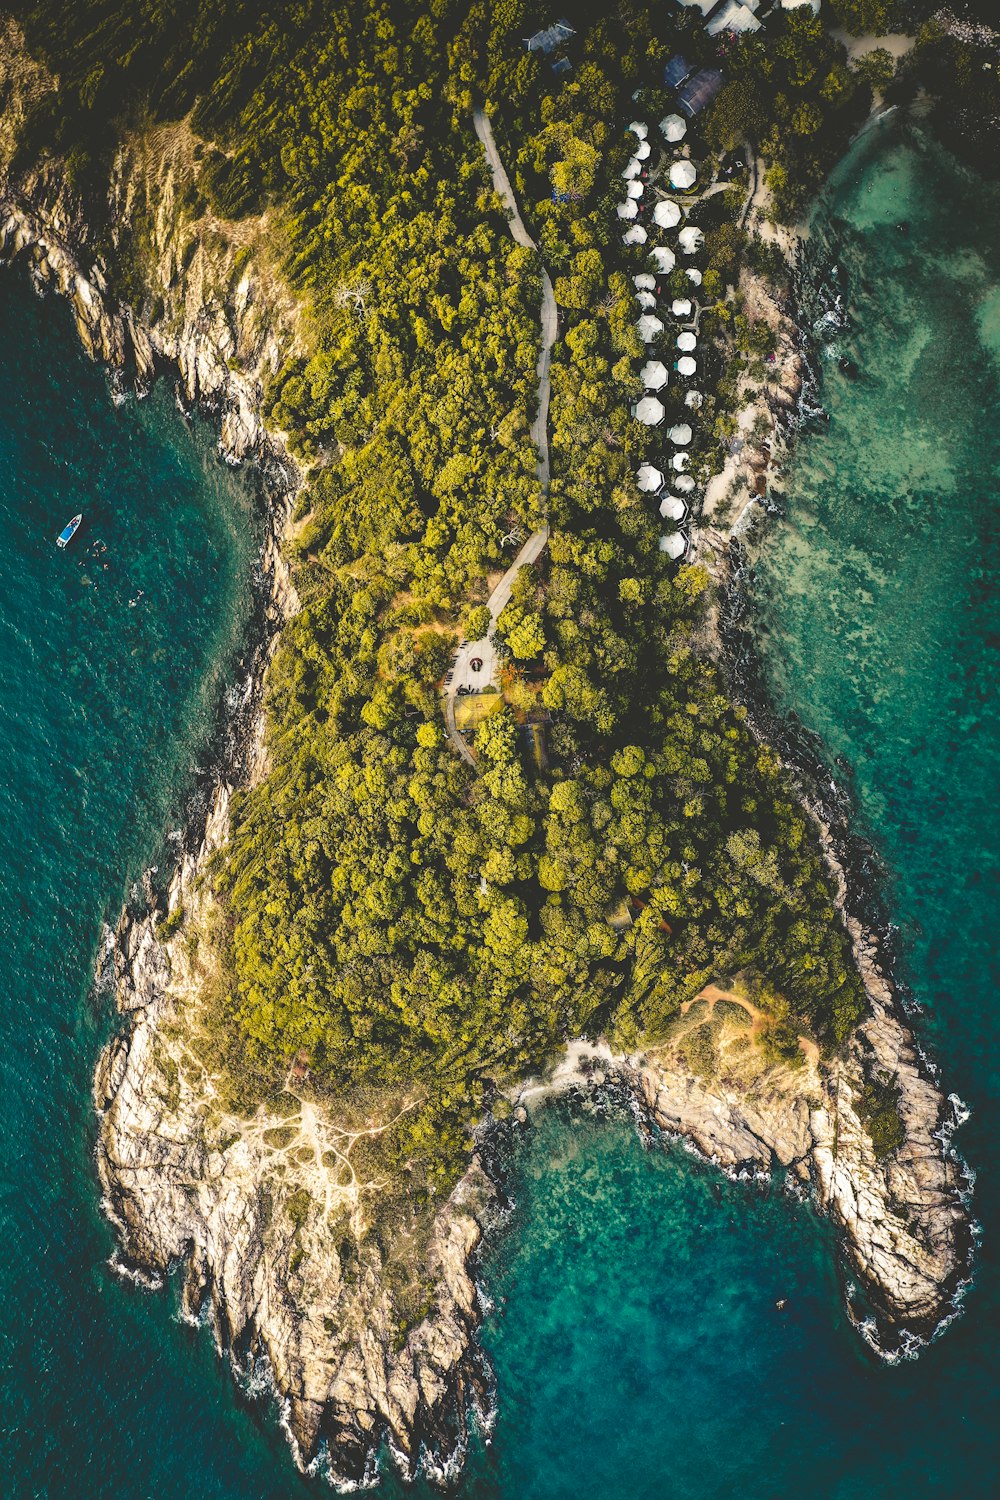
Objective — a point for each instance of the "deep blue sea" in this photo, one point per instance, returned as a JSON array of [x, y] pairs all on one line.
[[632, 1323]]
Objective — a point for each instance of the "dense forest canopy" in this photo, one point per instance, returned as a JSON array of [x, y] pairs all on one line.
[[406, 922]]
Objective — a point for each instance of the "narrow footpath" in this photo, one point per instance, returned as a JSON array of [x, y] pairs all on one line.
[[482, 651]]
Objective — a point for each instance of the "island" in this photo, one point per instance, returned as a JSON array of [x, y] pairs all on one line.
[[501, 304]]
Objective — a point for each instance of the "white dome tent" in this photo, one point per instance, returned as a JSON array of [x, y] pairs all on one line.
[[673, 128], [681, 307], [649, 479], [667, 214], [644, 281], [672, 508], [690, 239], [629, 209], [646, 301], [681, 434], [638, 128], [635, 188], [635, 236], [653, 375], [693, 275], [633, 169], [694, 400], [648, 327], [684, 483], [649, 411], [683, 175], [674, 545], [642, 151], [687, 343], [663, 259], [679, 462], [686, 366]]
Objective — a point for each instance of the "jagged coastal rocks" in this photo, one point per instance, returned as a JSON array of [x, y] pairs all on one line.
[[250, 1207]]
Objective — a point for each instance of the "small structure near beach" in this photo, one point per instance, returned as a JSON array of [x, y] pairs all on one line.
[[642, 151], [681, 434], [635, 188], [648, 327], [686, 366], [690, 239], [673, 128], [681, 307], [687, 343], [628, 210], [683, 483], [644, 281], [649, 479], [633, 168], [646, 301], [635, 236], [639, 128], [683, 175]]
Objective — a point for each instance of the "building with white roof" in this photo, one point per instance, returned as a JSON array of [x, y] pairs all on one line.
[[654, 375], [734, 15], [635, 236], [649, 479], [648, 327]]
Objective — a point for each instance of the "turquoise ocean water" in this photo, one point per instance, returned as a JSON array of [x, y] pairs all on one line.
[[632, 1319]]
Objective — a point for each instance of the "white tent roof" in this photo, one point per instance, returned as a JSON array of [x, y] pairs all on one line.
[[693, 399], [683, 175], [635, 236], [689, 239], [646, 301], [633, 169], [687, 343], [642, 150], [635, 189], [681, 434], [663, 259], [648, 327], [681, 307], [649, 411], [644, 282], [654, 375], [629, 209], [649, 478], [638, 128], [673, 545], [693, 275], [683, 482], [672, 508], [679, 462], [686, 365], [667, 214], [673, 127]]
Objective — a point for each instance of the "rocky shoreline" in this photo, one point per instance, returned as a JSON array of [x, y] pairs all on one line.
[[183, 1185]]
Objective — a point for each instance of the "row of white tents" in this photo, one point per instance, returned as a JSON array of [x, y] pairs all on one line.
[[672, 487]]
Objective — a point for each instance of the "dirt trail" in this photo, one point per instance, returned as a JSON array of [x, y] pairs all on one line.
[[712, 994], [462, 674]]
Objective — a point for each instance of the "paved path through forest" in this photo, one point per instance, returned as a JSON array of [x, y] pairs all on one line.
[[482, 651]]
